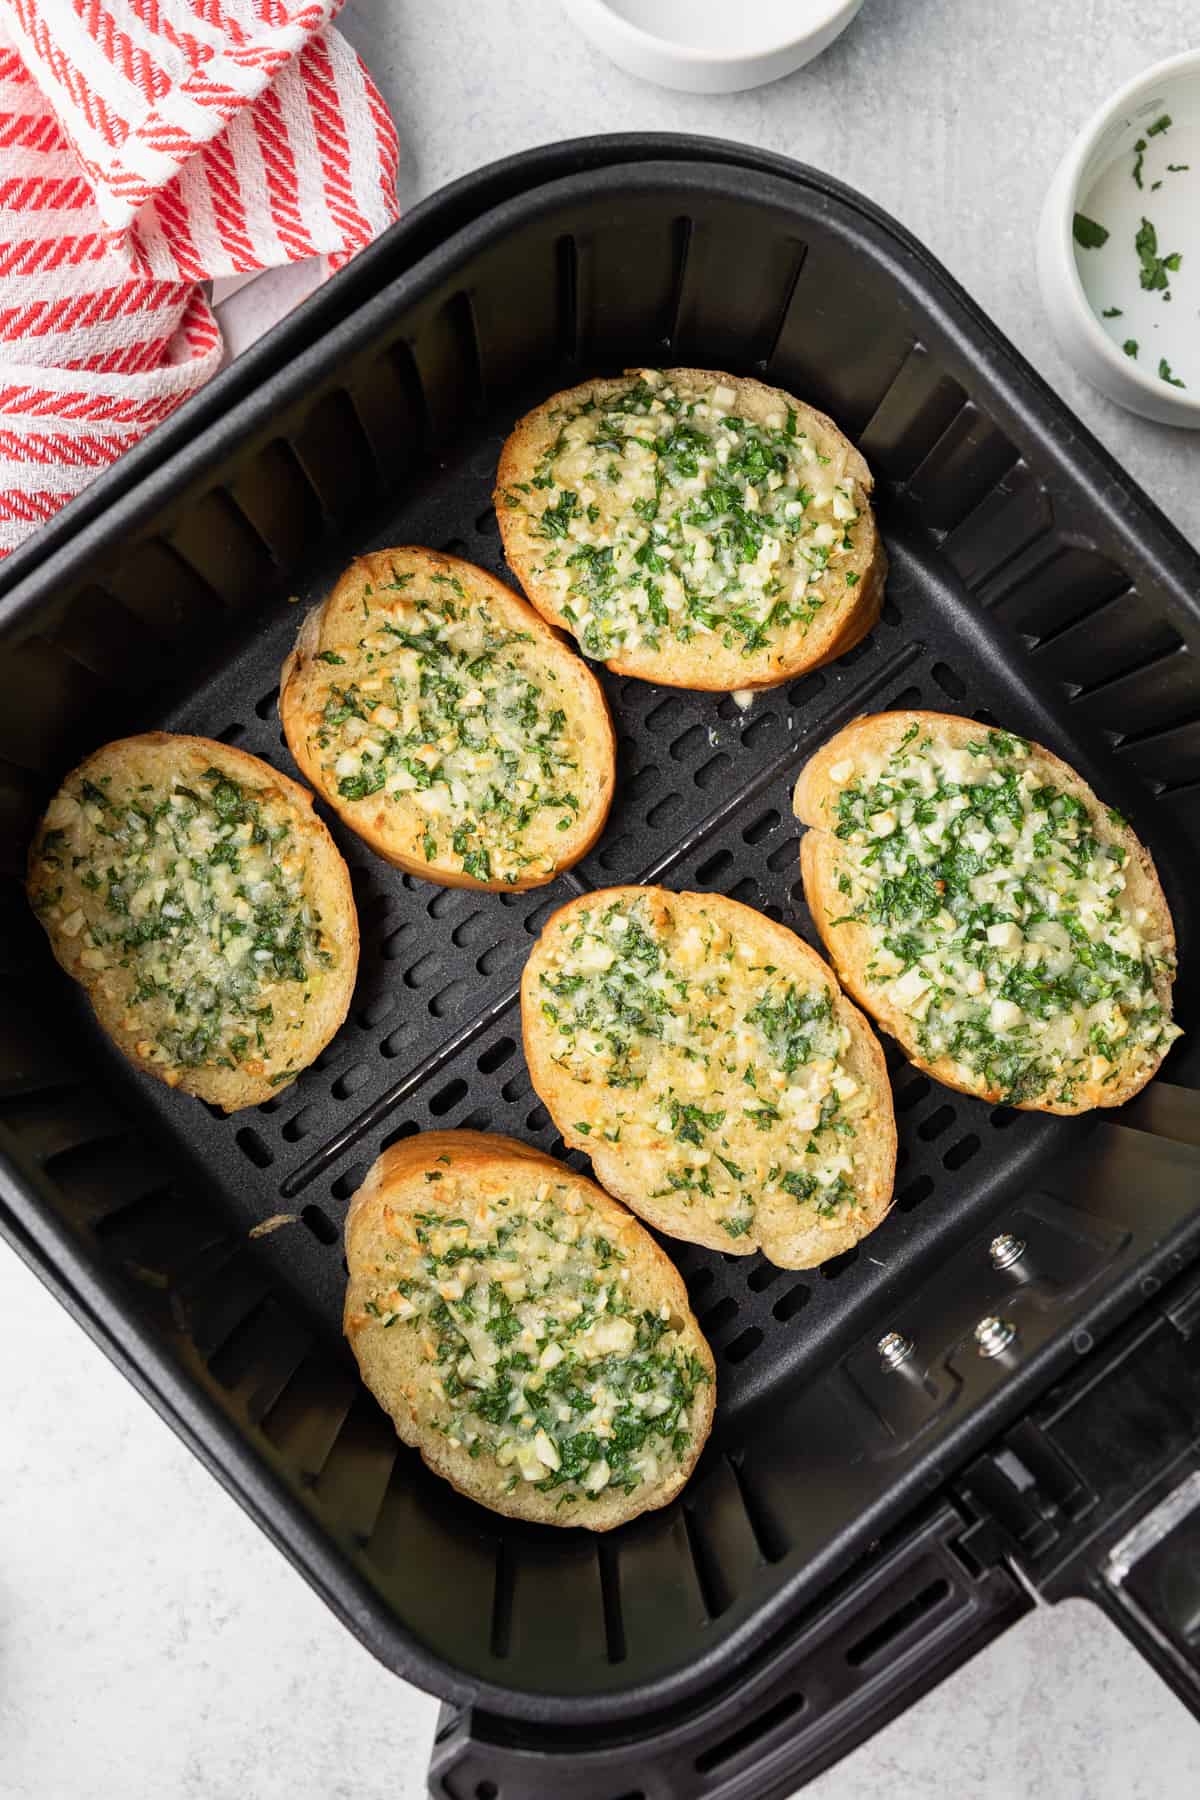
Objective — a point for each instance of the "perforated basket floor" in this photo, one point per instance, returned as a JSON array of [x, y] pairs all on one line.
[[1027, 587]]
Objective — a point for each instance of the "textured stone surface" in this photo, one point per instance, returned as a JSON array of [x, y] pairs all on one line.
[[152, 1643]]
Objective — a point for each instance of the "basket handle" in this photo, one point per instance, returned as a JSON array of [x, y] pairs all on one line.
[[1058, 1507], [1149, 1586], [914, 1613], [1096, 1494]]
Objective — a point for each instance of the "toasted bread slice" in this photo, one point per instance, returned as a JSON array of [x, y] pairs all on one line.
[[710, 1066], [692, 528], [988, 910], [524, 1332], [447, 724], [204, 908]]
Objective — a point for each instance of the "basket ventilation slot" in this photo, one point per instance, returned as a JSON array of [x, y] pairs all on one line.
[[447, 363], [915, 411], [1043, 592], [961, 470], [897, 1623], [784, 1710], [222, 548], [1171, 757], [1162, 691], [279, 501], [1008, 523]]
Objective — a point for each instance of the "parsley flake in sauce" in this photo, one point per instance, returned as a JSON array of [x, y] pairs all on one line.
[[1154, 270], [1088, 234]]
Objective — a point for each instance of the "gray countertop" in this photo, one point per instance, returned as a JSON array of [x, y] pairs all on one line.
[[152, 1644]]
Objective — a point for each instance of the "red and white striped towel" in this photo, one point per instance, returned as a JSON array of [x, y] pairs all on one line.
[[146, 145]]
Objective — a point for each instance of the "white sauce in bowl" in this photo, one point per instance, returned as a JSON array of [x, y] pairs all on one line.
[[1137, 240]]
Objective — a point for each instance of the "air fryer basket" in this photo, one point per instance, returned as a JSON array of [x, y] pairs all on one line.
[[1030, 584]]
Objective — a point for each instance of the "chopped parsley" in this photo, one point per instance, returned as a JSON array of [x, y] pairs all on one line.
[[441, 698], [199, 912], [705, 522], [691, 1123], [548, 1366], [1155, 269], [985, 938], [735, 1071], [1088, 234]]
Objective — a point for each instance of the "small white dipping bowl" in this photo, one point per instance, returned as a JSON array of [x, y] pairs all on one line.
[[711, 46], [1080, 285]]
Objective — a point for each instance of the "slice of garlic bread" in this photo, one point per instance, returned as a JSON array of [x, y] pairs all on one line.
[[692, 528], [993, 915], [524, 1332], [204, 908], [708, 1063], [447, 724]]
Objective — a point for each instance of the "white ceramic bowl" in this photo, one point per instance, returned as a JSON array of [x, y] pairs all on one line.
[[1097, 177], [711, 46]]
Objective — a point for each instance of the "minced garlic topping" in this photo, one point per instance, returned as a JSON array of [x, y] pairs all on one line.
[[535, 1356], [667, 517], [190, 901], [698, 1049], [436, 705], [1000, 922]]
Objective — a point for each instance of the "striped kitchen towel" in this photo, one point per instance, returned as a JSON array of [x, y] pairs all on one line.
[[145, 146]]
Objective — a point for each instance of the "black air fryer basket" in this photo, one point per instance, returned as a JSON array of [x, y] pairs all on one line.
[[859, 1523]]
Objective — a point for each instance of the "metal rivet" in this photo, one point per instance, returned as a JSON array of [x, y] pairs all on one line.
[[994, 1335], [1005, 1250], [895, 1348]]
